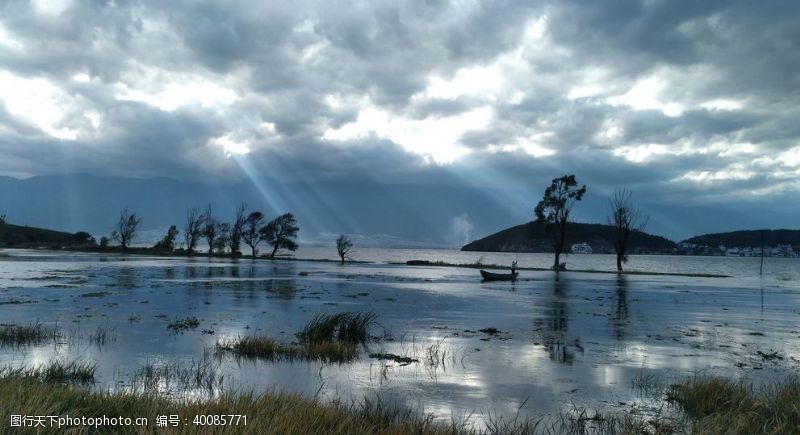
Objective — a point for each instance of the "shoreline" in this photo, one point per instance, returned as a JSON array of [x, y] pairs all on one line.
[[411, 263]]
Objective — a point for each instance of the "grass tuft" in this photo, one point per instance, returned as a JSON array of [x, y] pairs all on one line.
[[347, 327]]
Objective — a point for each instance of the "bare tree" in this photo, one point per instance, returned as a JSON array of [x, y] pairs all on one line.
[[555, 207], [193, 229], [344, 246], [625, 218], [125, 229], [210, 227], [235, 240], [281, 233], [251, 231]]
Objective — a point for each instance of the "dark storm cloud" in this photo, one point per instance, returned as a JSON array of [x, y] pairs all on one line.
[[277, 76]]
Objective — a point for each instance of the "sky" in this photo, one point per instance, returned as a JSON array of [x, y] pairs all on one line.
[[686, 103]]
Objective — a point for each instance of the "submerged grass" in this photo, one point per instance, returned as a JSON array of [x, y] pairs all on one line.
[[718, 405], [272, 350], [180, 325], [175, 377], [101, 336], [19, 335]]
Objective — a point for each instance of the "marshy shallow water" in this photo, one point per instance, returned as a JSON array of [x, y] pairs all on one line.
[[585, 339]]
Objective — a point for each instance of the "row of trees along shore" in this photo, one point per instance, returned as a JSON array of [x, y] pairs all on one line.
[[553, 210], [561, 196], [247, 228]]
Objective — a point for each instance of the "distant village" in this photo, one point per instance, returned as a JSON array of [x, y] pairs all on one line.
[[687, 248]]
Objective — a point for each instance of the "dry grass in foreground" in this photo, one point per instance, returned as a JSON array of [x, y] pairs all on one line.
[[268, 413]]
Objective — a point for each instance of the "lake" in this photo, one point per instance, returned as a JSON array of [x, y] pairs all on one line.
[[583, 339]]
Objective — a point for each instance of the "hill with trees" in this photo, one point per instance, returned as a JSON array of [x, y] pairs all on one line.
[[745, 238], [538, 237], [16, 236]]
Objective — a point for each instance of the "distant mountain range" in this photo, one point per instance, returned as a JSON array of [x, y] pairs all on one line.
[[417, 213], [537, 237]]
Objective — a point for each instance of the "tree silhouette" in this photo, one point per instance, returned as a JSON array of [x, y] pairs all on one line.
[[280, 233], [625, 218], [344, 246], [167, 244], [235, 239], [125, 229], [555, 207], [251, 231], [210, 228], [193, 229]]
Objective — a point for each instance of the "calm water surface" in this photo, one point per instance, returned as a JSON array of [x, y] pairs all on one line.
[[583, 338]]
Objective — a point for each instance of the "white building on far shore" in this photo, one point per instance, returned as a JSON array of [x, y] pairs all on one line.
[[581, 248]]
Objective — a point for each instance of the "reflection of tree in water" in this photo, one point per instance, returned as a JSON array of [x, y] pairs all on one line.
[[619, 318], [552, 329], [125, 278], [282, 288], [169, 272], [282, 284]]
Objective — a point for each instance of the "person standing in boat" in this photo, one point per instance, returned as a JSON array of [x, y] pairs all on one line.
[[514, 267]]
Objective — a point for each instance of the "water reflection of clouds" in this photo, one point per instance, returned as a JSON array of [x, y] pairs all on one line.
[[594, 332]]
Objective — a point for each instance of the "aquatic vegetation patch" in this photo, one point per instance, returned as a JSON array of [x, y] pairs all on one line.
[[348, 327], [20, 335], [54, 372], [402, 360], [180, 325], [16, 302], [490, 330], [273, 350], [95, 294]]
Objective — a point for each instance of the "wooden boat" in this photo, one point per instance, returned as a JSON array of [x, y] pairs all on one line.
[[489, 276]]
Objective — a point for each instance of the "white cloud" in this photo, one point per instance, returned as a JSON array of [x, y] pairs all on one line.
[[37, 101], [434, 137]]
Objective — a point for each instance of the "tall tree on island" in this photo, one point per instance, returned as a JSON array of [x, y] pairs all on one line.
[[280, 233], [344, 247], [252, 231], [125, 229], [625, 218], [555, 207]]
